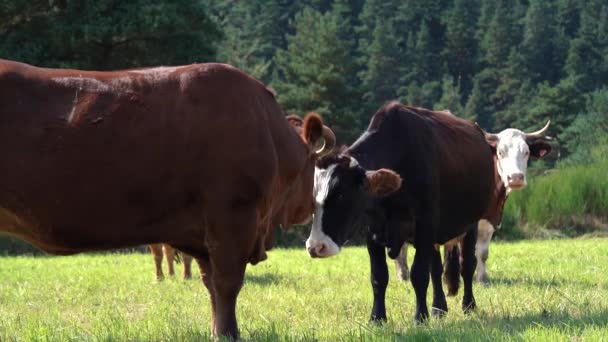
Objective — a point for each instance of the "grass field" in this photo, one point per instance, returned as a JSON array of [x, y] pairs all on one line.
[[541, 290]]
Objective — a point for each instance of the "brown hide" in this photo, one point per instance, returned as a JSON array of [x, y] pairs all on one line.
[[200, 157]]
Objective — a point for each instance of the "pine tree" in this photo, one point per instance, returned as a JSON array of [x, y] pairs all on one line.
[[450, 97], [461, 47], [538, 47], [314, 72], [109, 35]]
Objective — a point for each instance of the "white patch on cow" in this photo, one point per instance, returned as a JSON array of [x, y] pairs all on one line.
[[318, 241], [513, 153], [353, 163]]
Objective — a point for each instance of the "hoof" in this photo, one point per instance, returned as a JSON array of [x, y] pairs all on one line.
[[468, 308], [377, 320]]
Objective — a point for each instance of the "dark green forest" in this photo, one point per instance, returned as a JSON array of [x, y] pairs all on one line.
[[501, 63]]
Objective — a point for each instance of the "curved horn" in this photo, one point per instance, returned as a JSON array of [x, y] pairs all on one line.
[[540, 133], [330, 140], [489, 136]]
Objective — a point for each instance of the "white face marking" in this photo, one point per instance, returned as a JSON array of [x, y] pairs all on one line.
[[513, 153], [319, 243]]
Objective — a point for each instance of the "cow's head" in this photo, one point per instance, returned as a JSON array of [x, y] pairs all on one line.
[[318, 140], [343, 190], [513, 149]]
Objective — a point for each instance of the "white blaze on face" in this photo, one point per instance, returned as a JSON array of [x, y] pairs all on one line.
[[513, 153], [318, 243]]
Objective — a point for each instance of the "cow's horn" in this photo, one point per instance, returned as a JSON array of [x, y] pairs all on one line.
[[329, 141], [489, 136], [540, 133]]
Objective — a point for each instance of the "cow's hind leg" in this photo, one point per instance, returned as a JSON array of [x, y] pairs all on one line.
[[401, 267], [440, 306], [484, 236], [468, 268], [379, 279], [157, 254]]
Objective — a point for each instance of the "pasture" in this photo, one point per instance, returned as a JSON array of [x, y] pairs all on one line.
[[540, 290]]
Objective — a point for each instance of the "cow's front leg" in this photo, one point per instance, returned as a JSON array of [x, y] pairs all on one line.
[[231, 240], [440, 306], [468, 268], [419, 276], [379, 278]]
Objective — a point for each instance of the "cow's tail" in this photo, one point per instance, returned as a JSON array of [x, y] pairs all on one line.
[[452, 269]]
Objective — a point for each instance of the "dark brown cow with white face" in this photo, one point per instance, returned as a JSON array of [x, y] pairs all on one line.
[[199, 157], [512, 149]]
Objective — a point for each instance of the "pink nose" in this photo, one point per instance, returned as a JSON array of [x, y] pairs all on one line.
[[317, 250], [516, 179]]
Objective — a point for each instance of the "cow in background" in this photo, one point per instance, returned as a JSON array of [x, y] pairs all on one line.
[[158, 249], [200, 157], [512, 149]]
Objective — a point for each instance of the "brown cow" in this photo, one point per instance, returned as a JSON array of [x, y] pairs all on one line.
[[157, 250], [199, 157]]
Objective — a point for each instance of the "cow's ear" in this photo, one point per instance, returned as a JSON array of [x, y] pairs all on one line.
[[382, 182], [312, 131], [492, 140], [539, 149]]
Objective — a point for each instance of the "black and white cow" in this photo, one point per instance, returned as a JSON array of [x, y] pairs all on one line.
[[414, 176]]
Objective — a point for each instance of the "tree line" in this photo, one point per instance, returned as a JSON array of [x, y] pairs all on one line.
[[502, 63]]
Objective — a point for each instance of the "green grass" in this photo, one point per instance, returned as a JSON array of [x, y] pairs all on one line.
[[572, 199], [541, 290]]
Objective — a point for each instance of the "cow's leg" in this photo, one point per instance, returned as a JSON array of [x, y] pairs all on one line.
[[187, 260], [484, 236], [206, 273], [440, 306], [403, 272], [452, 268], [170, 256], [419, 275], [468, 268], [157, 254], [379, 278], [231, 242]]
